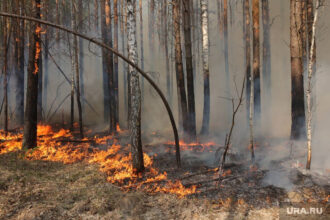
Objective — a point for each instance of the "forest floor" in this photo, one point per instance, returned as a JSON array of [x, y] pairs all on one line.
[[52, 190]]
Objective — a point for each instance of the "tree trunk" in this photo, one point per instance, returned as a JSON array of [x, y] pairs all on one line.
[[110, 64], [189, 69], [19, 70], [115, 80], [266, 65], [96, 13], [167, 58], [247, 42], [256, 59], [30, 119], [179, 65], [135, 117], [57, 36], [76, 64], [309, 86], [141, 45], [225, 36], [206, 71], [81, 54], [5, 46], [297, 82], [40, 89], [310, 19]]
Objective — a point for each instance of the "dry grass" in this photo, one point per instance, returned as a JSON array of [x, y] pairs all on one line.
[[48, 190]]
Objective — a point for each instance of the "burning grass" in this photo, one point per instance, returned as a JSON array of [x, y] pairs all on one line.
[[115, 162], [61, 179]]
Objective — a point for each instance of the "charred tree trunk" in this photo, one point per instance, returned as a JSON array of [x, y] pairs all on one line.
[[206, 71], [135, 117], [5, 46], [46, 48], [109, 63], [189, 69], [141, 45], [179, 66], [81, 54], [266, 52], [226, 46], [115, 74], [256, 59], [76, 64], [19, 69], [247, 42], [40, 89], [167, 58], [297, 81], [30, 119]]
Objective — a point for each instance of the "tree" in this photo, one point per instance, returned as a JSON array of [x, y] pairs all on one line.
[[297, 82], [5, 46], [19, 65], [247, 44], [266, 51], [135, 113], [108, 68], [30, 118], [256, 59], [309, 86], [206, 71], [75, 64], [183, 109], [189, 68], [225, 37], [115, 59]]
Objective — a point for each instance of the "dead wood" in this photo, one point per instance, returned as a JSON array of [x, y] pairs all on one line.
[[228, 137]]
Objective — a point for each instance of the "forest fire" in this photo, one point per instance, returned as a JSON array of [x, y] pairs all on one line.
[[114, 162], [196, 146]]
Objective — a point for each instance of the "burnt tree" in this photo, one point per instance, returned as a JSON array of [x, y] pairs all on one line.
[[297, 81], [31, 114]]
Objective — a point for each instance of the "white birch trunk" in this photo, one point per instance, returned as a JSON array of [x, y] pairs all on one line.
[[135, 113], [309, 90], [205, 58]]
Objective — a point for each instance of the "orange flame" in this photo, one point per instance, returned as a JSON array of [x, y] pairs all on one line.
[[114, 162]]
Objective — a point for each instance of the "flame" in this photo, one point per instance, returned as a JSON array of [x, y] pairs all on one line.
[[38, 50], [196, 146], [115, 162]]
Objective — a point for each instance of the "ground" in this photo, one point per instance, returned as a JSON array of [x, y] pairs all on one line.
[[52, 190]]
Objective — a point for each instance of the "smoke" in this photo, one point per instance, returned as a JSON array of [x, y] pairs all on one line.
[[276, 113]]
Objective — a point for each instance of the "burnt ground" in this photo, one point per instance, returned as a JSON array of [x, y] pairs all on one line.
[[49, 190]]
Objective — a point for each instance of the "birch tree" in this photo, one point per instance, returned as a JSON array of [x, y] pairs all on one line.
[[309, 87], [135, 113], [206, 71]]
